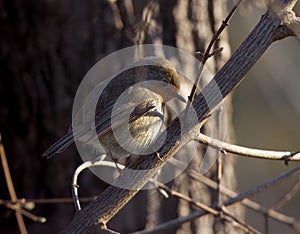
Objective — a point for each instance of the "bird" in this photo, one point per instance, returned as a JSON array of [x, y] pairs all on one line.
[[130, 110]]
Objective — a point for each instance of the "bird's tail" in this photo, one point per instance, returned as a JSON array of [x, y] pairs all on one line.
[[59, 146]]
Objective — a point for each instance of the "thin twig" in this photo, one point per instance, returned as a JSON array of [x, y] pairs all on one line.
[[227, 217], [11, 189], [29, 215], [207, 54], [179, 221], [247, 228], [266, 223], [291, 221], [264, 186], [187, 198], [288, 196], [47, 200], [83, 167], [249, 152], [219, 177]]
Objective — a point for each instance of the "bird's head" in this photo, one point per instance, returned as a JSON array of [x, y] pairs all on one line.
[[161, 77]]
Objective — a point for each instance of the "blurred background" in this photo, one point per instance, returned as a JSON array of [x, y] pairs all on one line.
[[266, 105], [267, 114]]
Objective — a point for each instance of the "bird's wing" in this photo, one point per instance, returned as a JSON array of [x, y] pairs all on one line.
[[130, 105], [59, 146], [108, 120]]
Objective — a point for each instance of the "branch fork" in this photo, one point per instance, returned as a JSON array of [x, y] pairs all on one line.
[[114, 198]]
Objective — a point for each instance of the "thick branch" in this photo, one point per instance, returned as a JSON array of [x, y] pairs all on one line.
[[114, 197]]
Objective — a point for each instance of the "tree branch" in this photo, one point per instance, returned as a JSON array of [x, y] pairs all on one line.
[[223, 213], [100, 211], [240, 197], [248, 152], [269, 212]]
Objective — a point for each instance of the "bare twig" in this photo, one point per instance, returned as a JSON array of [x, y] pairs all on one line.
[[81, 168], [186, 198], [179, 221], [288, 196], [207, 54], [47, 200], [216, 212], [247, 228], [291, 221], [269, 212], [16, 208], [266, 222], [219, 177], [11, 189], [249, 152], [264, 186]]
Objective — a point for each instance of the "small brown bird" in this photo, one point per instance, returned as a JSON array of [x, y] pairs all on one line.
[[130, 110]]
